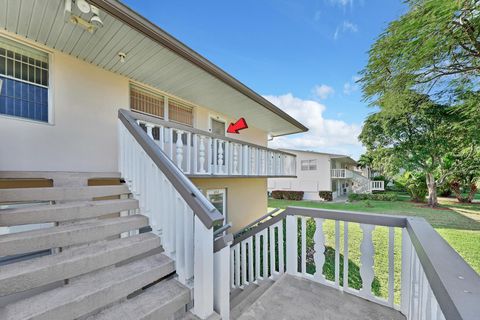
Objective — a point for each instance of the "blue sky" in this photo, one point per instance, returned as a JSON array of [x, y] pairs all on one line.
[[303, 55]]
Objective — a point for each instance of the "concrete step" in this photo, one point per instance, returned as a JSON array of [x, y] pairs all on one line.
[[61, 194], [242, 306], [242, 294], [160, 301], [91, 292], [64, 211], [36, 272], [67, 235]]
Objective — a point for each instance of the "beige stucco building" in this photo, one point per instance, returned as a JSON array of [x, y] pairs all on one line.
[[86, 77]]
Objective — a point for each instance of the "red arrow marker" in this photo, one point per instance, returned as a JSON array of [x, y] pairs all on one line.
[[239, 125]]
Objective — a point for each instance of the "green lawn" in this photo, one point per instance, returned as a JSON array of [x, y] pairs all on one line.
[[459, 224]]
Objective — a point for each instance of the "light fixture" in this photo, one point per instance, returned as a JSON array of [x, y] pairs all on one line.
[[96, 21], [81, 13], [122, 56], [83, 6]]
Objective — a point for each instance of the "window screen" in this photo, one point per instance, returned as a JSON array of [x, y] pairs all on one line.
[[308, 165], [218, 127], [24, 81], [180, 112], [146, 101]]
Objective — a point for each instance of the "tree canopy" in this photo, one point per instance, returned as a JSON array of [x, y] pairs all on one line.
[[434, 48]]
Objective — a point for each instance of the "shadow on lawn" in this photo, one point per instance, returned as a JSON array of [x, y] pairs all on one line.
[[354, 278]]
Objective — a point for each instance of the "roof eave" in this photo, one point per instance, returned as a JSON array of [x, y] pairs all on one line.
[[149, 29]]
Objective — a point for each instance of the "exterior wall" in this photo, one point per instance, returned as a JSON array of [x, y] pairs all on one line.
[[246, 198], [311, 181], [83, 132]]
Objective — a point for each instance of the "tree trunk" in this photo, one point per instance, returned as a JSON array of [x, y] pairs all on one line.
[[432, 190], [473, 191]]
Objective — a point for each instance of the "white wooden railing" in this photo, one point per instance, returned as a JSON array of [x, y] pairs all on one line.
[[200, 153], [377, 185], [341, 174], [428, 289], [177, 211]]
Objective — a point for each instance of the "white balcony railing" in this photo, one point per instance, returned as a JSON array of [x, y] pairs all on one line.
[[341, 174], [431, 281], [201, 153]]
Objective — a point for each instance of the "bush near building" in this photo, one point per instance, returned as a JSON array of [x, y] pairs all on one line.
[[287, 195]]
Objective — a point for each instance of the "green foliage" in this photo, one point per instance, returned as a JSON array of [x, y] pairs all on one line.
[[326, 195], [464, 173], [434, 47], [373, 196], [287, 195], [415, 184]]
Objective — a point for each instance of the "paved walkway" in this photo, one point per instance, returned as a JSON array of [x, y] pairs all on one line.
[[297, 298]]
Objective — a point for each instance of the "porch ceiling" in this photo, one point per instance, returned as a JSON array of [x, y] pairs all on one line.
[[153, 57]]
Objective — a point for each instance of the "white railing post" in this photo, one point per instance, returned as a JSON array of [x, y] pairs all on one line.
[[292, 239], [221, 300], [406, 276], [319, 255], [179, 149], [367, 253], [203, 270]]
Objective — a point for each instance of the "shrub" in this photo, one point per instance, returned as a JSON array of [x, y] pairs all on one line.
[[326, 195], [373, 196], [287, 195], [415, 184]]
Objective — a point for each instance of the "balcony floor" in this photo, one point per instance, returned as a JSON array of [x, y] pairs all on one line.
[[296, 298]]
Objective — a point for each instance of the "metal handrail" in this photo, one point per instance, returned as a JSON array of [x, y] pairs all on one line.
[[200, 205], [268, 215], [221, 230], [148, 118]]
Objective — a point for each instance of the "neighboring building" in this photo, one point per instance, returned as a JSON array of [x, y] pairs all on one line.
[[114, 149], [318, 171]]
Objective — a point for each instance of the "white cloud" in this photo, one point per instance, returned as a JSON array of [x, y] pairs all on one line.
[[342, 3], [346, 26], [351, 86], [327, 135], [323, 91]]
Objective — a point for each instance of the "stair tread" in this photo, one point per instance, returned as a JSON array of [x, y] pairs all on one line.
[[243, 294], [61, 193], [66, 235], [76, 210], [250, 299], [36, 272], [158, 301], [91, 291]]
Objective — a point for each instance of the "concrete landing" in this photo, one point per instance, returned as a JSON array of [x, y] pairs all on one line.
[[296, 298]]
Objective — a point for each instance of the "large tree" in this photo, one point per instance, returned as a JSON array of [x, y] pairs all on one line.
[[434, 49], [413, 133]]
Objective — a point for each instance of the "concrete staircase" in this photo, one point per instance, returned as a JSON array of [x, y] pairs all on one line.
[[91, 259], [361, 184], [242, 299]]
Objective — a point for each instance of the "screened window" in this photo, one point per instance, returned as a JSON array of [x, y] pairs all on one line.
[[147, 101], [180, 112], [308, 165], [24, 81]]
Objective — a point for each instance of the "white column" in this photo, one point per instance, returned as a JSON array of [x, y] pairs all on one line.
[[201, 154], [220, 156], [291, 238], [221, 298], [366, 259], [319, 255], [179, 149], [203, 270]]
